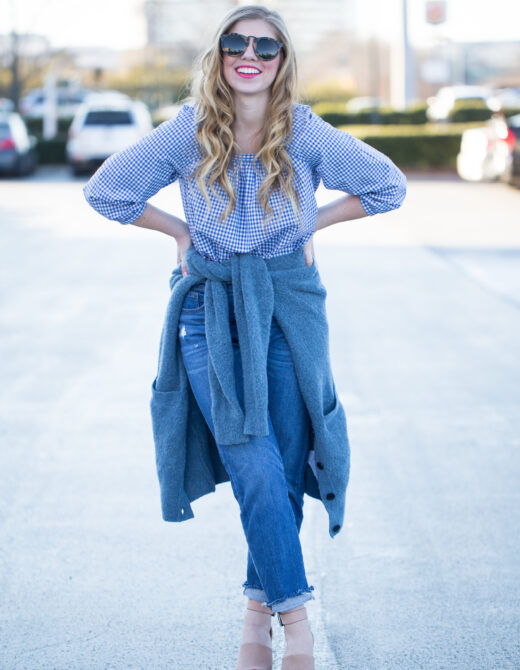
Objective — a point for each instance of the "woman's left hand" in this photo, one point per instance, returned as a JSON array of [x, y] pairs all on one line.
[[308, 249]]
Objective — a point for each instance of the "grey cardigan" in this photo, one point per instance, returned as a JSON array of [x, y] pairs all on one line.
[[187, 458]]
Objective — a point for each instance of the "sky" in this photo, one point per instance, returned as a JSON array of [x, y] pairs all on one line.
[[120, 23]]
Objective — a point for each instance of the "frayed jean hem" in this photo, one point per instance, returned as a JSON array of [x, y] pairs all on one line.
[[255, 594], [280, 604]]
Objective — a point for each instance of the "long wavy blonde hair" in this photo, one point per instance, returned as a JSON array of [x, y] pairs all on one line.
[[215, 113]]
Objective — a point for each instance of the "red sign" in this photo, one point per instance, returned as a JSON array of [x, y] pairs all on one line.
[[435, 11]]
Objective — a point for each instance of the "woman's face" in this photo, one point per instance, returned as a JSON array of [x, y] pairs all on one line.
[[267, 70]]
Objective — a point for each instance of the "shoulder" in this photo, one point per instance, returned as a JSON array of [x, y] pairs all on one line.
[[183, 120], [301, 116], [308, 122], [177, 135], [308, 129]]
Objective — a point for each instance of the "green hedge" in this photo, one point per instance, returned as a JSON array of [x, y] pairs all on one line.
[[427, 145], [335, 114], [52, 152], [35, 126], [430, 145], [463, 112]]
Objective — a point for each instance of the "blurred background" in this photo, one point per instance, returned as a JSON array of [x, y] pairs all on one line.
[[408, 77], [424, 314]]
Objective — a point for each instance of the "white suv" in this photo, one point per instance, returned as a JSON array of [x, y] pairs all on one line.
[[103, 125], [441, 104]]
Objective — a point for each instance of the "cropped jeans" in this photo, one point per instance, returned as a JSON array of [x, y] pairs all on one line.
[[267, 472]]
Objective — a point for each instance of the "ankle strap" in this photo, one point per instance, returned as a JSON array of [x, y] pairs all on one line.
[[292, 617], [262, 611]]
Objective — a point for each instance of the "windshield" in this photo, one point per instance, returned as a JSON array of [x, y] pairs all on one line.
[[108, 118]]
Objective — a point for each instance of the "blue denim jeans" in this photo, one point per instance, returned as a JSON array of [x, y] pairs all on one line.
[[266, 473]]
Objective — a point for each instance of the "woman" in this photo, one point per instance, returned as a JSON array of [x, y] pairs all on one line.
[[244, 390]]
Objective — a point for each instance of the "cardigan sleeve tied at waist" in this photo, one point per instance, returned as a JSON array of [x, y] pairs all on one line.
[[283, 287], [253, 301]]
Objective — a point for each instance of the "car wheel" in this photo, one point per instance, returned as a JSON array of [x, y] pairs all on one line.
[[20, 169]]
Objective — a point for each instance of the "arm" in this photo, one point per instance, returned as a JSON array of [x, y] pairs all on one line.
[[154, 218], [120, 188], [374, 184], [346, 208]]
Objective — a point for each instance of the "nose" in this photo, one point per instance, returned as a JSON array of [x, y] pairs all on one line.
[[250, 52]]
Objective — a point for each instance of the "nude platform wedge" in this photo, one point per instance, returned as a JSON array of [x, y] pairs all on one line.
[[296, 661], [253, 655]]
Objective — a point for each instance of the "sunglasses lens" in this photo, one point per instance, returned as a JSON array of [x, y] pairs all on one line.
[[266, 48], [233, 44]]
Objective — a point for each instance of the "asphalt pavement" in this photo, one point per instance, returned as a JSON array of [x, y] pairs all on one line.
[[424, 315]]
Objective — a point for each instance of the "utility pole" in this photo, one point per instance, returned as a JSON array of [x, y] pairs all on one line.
[[50, 115], [402, 75], [15, 70]]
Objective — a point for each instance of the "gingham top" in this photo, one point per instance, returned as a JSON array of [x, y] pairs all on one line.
[[120, 188]]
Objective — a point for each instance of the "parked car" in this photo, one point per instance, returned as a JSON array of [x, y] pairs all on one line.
[[441, 104], [486, 153], [364, 104], [103, 125], [512, 171], [508, 97], [68, 99], [17, 148]]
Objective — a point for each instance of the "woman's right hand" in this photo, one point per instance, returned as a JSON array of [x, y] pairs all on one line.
[[182, 244]]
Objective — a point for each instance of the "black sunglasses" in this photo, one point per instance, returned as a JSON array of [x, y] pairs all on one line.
[[235, 44]]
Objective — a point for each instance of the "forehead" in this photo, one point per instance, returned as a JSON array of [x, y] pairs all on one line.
[[256, 27]]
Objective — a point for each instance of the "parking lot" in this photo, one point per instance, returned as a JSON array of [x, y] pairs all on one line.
[[424, 311]]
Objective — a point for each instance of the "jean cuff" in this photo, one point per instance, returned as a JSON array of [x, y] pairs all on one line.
[[292, 601], [281, 604], [255, 594]]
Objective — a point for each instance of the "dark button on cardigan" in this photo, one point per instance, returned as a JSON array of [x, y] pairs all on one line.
[[284, 287]]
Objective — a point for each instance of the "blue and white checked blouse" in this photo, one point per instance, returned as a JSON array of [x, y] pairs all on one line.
[[120, 188]]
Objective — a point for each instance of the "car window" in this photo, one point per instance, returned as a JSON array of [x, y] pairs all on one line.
[[69, 99], [108, 118]]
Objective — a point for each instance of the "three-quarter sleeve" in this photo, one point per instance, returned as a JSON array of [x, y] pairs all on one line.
[[346, 163], [121, 186]]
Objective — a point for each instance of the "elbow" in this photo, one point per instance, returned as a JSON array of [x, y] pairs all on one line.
[[395, 192], [400, 190], [393, 195], [122, 211], [389, 195]]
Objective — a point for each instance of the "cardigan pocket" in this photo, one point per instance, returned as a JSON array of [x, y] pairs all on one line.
[[170, 408], [165, 406], [335, 420]]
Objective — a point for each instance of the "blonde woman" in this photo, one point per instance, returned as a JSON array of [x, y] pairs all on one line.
[[244, 390]]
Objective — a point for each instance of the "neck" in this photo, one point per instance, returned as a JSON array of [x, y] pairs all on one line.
[[251, 111]]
